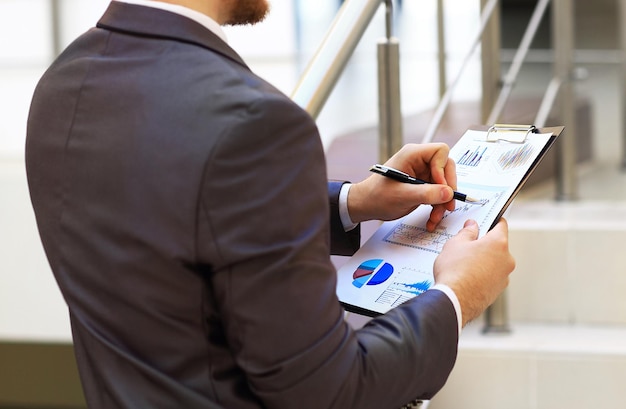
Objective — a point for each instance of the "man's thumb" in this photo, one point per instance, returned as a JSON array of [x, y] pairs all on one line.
[[470, 230]]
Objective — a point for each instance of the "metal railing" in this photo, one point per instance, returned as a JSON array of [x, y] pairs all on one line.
[[329, 61], [444, 103], [353, 18], [355, 15], [561, 86]]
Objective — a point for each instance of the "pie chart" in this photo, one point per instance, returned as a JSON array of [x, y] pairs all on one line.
[[372, 272]]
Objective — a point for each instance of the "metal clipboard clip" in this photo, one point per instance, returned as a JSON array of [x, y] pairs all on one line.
[[509, 133]]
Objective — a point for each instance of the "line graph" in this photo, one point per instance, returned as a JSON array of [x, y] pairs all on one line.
[[413, 288], [413, 233], [418, 237], [410, 282], [466, 208]]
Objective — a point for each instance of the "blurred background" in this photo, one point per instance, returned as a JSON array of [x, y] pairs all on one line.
[[560, 337]]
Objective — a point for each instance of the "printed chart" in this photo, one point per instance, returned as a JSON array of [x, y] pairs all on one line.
[[387, 285], [418, 237], [372, 272], [411, 231], [472, 156], [516, 157], [406, 284]]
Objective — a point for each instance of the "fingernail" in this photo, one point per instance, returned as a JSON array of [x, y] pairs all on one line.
[[446, 194]]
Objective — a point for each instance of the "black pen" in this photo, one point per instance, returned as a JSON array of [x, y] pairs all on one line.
[[406, 178]]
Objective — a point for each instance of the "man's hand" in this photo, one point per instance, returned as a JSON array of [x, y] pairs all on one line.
[[381, 198], [477, 270]]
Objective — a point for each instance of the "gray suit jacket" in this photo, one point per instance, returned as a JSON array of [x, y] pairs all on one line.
[[183, 204]]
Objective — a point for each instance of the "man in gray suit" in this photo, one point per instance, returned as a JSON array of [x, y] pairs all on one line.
[[184, 208]]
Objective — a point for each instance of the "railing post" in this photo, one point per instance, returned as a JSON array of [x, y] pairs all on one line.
[[55, 17], [490, 61], [496, 316], [622, 27], [441, 48], [389, 104], [563, 45]]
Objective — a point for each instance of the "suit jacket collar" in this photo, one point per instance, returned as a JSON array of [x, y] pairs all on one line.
[[157, 23]]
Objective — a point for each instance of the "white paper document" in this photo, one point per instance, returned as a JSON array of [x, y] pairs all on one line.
[[396, 263]]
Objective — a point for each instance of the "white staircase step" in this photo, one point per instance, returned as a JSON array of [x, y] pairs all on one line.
[[567, 345], [571, 262], [537, 367]]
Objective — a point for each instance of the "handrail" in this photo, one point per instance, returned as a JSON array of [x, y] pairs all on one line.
[[547, 102], [331, 57], [324, 70]]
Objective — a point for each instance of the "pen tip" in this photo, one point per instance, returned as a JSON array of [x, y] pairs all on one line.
[[476, 201]]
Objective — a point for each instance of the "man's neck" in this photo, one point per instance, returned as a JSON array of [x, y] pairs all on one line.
[[176, 7], [207, 7]]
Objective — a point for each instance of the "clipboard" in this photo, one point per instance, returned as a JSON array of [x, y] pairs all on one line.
[[395, 264], [503, 132]]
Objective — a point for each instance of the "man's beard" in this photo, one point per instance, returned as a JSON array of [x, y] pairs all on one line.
[[244, 12]]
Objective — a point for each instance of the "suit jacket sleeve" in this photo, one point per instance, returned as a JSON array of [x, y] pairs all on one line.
[[274, 283], [342, 243]]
